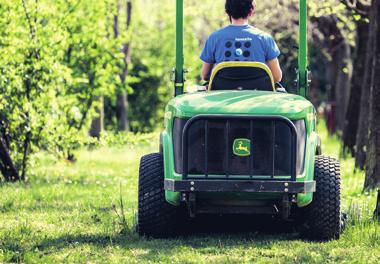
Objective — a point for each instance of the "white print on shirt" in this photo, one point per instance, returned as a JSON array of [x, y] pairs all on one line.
[[243, 39]]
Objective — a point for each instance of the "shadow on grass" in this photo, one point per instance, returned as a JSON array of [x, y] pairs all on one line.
[[208, 233]]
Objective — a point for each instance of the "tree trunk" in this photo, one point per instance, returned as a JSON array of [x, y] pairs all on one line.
[[121, 111], [97, 124], [340, 69], [343, 83], [7, 166], [373, 157], [362, 133], [363, 126], [353, 110], [377, 210], [122, 97]]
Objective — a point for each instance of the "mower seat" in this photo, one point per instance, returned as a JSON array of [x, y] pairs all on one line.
[[236, 75]]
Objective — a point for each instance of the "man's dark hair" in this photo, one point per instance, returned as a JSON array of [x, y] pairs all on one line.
[[239, 8]]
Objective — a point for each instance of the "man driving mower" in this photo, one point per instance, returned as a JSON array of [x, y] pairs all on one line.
[[240, 42]]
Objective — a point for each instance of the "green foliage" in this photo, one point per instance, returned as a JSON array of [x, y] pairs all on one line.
[[146, 100], [28, 73], [57, 59], [120, 140], [93, 60], [153, 58]]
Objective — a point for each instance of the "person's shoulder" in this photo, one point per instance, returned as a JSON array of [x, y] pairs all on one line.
[[219, 32], [259, 33]]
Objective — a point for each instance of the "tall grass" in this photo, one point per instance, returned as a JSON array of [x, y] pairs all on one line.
[[358, 205]]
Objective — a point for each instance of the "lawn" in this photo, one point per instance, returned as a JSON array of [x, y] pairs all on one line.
[[73, 213]]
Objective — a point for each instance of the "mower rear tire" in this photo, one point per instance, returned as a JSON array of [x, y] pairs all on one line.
[[156, 217], [323, 219]]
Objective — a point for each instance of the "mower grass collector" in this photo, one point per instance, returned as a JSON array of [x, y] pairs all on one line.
[[242, 147]]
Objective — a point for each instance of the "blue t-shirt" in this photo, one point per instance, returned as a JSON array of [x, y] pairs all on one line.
[[239, 43]]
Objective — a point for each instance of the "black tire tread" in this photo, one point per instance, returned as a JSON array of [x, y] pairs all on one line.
[[156, 217], [323, 215]]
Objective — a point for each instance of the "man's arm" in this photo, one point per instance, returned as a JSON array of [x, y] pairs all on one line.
[[275, 68], [206, 71]]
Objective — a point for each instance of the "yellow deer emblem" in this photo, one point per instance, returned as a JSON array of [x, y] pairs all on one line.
[[242, 147]]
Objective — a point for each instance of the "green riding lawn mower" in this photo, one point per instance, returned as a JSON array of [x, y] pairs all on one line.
[[242, 146]]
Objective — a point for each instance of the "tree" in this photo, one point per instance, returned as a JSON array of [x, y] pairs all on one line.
[[353, 111], [121, 94], [359, 11], [373, 155], [26, 85], [92, 59], [7, 167], [357, 116], [364, 109], [55, 62], [337, 46], [377, 210], [97, 124]]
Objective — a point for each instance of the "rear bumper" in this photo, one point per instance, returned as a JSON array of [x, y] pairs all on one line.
[[245, 186]]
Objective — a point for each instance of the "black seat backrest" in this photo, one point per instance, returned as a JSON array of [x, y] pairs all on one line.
[[242, 76]]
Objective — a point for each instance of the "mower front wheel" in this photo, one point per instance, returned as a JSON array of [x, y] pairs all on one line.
[[156, 217]]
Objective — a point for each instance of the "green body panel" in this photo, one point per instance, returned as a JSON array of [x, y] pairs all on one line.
[[241, 103]]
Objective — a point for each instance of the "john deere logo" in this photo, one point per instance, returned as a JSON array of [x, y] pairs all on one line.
[[242, 147]]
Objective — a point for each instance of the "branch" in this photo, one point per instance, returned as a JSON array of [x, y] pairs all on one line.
[[129, 14], [361, 7], [126, 46], [29, 20], [33, 53], [32, 30]]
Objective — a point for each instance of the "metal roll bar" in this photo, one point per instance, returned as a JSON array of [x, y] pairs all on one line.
[[179, 80]]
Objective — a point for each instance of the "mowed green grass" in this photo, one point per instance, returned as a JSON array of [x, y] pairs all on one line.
[[72, 213]]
